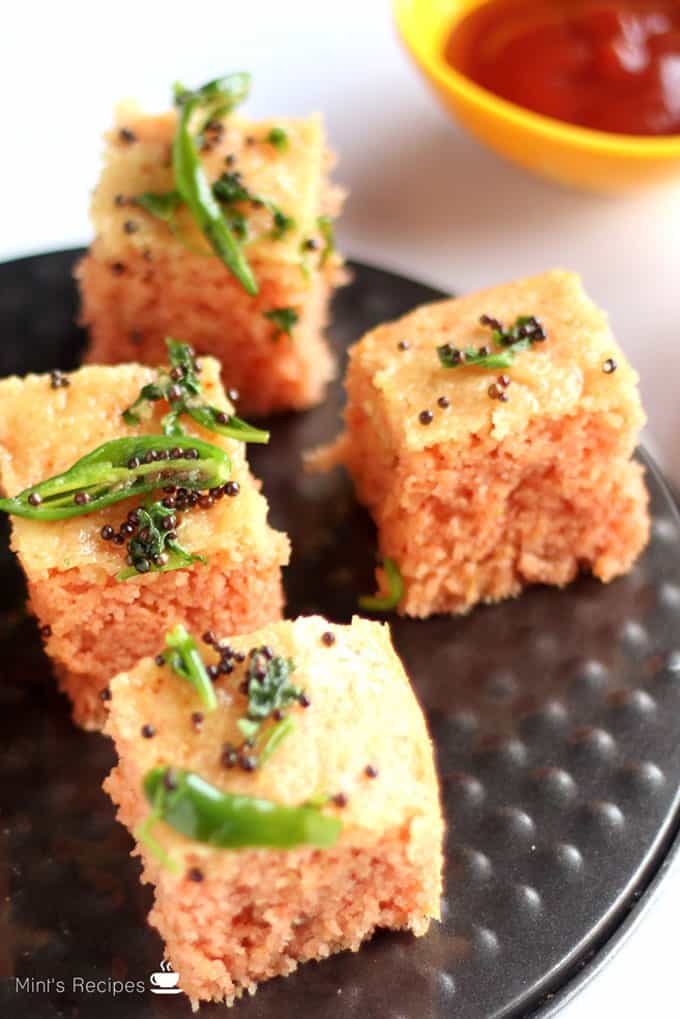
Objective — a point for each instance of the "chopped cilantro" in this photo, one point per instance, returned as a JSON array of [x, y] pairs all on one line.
[[284, 318], [278, 138], [526, 331]]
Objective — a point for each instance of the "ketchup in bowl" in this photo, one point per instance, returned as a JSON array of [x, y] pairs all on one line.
[[608, 66]]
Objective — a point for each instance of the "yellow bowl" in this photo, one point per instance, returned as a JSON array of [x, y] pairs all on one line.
[[594, 160]]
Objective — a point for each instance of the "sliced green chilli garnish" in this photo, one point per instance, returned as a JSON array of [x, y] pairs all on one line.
[[395, 590], [214, 208], [213, 100], [278, 137], [120, 469], [203, 812]]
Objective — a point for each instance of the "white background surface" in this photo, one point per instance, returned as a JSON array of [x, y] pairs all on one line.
[[425, 200]]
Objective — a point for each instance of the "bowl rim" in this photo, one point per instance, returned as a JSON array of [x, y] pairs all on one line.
[[432, 62]]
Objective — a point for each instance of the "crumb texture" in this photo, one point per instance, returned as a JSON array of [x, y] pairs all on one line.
[[491, 496], [100, 627], [195, 299]]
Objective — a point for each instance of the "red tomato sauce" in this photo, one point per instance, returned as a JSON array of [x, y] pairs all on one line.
[[611, 66]]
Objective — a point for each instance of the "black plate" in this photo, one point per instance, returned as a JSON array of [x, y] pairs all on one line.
[[556, 719]]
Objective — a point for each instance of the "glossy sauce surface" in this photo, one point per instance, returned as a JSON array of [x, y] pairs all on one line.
[[611, 66]]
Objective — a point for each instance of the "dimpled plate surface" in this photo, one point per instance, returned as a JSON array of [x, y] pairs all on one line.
[[556, 719]]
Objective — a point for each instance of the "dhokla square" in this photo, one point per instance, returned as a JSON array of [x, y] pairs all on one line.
[[491, 438], [104, 584], [240, 261], [285, 803]]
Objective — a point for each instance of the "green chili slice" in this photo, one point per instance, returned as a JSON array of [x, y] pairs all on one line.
[[183, 657], [395, 591], [219, 96], [118, 470], [201, 811], [192, 184]]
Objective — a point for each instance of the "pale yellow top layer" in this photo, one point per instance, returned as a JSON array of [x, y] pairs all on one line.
[[43, 431], [293, 179], [561, 376], [363, 711]]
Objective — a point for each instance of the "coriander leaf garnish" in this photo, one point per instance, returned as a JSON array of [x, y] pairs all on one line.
[[269, 692], [183, 657], [213, 100], [229, 188], [162, 206], [230, 191], [282, 223], [154, 548], [268, 684], [284, 318], [526, 331], [325, 225], [278, 137], [238, 223], [268, 687], [276, 736], [395, 590], [248, 729], [454, 357], [181, 387]]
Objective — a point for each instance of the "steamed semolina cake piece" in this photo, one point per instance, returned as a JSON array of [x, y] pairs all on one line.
[[358, 749], [481, 481], [95, 624], [141, 281]]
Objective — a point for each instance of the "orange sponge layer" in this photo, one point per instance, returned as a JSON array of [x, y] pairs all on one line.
[[131, 306], [99, 627], [231, 918], [475, 496]]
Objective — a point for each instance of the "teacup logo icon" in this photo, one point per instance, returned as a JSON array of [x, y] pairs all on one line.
[[165, 980]]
